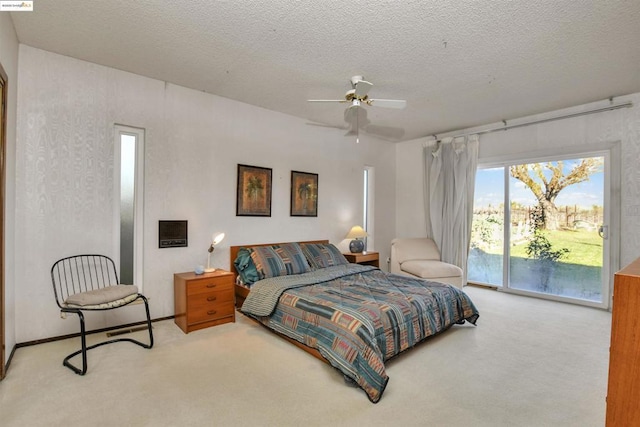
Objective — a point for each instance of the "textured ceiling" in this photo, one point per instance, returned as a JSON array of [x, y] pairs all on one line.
[[457, 63]]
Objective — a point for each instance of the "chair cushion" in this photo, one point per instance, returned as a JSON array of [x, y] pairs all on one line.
[[102, 296], [428, 269]]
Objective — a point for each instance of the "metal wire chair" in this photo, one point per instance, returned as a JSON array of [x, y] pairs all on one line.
[[90, 283]]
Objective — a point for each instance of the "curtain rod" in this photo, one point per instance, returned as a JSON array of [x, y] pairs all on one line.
[[550, 119]]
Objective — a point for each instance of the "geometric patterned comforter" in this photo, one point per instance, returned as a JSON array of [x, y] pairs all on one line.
[[358, 317]]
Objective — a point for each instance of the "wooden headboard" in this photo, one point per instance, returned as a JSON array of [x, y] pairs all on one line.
[[234, 252]]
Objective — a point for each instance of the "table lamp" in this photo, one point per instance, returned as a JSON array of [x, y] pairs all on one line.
[[215, 239], [356, 233]]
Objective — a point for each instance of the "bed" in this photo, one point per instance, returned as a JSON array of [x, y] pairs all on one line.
[[352, 316]]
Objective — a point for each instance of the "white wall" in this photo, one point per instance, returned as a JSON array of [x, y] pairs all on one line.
[[9, 61], [593, 131], [193, 142]]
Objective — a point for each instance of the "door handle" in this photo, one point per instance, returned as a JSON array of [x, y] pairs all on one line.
[[603, 231]]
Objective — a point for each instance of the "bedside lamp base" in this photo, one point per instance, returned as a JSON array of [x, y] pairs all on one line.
[[356, 246]]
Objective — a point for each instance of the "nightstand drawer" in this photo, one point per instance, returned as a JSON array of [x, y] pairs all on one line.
[[214, 284], [203, 310]]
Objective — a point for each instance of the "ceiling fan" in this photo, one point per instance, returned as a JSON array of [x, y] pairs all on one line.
[[356, 97]]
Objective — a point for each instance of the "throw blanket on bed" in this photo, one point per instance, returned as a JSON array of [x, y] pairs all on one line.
[[357, 316], [265, 293]]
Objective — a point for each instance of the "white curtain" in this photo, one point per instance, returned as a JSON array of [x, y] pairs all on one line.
[[450, 174]]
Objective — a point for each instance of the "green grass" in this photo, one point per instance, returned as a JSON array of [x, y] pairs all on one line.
[[577, 274], [585, 247]]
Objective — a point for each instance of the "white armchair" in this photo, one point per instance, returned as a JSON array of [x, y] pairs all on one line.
[[420, 257]]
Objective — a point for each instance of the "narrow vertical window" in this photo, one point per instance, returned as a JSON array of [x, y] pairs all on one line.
[[127, 203], [129, 161], [365, 199], [367, 208]]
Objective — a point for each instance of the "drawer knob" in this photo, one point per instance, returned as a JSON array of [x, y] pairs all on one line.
[[211, 285], [211, 312], [211, 298]]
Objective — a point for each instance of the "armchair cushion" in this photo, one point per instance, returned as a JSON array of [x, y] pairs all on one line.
[[430, 269], [420, 257]]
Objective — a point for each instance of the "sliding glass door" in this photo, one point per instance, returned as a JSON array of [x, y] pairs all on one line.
[[540, 228], [486, 256]]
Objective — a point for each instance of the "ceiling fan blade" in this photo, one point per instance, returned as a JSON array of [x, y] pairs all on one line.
[[327, 100], [389, 133], [362, 88], [388, 103], [325, 125]]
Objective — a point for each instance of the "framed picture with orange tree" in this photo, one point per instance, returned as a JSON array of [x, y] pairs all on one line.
[[304, 194], [253, 192]]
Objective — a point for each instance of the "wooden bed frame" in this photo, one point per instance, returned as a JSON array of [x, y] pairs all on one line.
[[242, 292]]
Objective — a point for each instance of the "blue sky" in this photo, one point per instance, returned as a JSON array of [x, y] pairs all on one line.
[[489, 189]]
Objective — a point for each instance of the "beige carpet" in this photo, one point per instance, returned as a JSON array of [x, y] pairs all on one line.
[[528, 362]]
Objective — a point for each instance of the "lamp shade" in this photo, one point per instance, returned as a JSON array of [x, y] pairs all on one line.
[[217, 238], [356, 232]]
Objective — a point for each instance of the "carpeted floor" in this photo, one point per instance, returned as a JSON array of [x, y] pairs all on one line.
[[528, 362]]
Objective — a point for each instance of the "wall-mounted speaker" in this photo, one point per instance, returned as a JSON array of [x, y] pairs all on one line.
[[172, 234]]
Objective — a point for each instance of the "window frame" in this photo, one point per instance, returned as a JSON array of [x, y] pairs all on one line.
[[612, 186], [138, 233]]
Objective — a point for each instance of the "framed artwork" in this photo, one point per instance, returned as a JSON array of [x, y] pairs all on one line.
[[253, 193], [304, 194]]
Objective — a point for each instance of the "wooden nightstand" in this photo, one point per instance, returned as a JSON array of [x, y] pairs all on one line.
[[364, 258], [203, 300]]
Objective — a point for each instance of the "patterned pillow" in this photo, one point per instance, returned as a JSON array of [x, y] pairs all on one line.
[[279, 260], [322, 255]]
